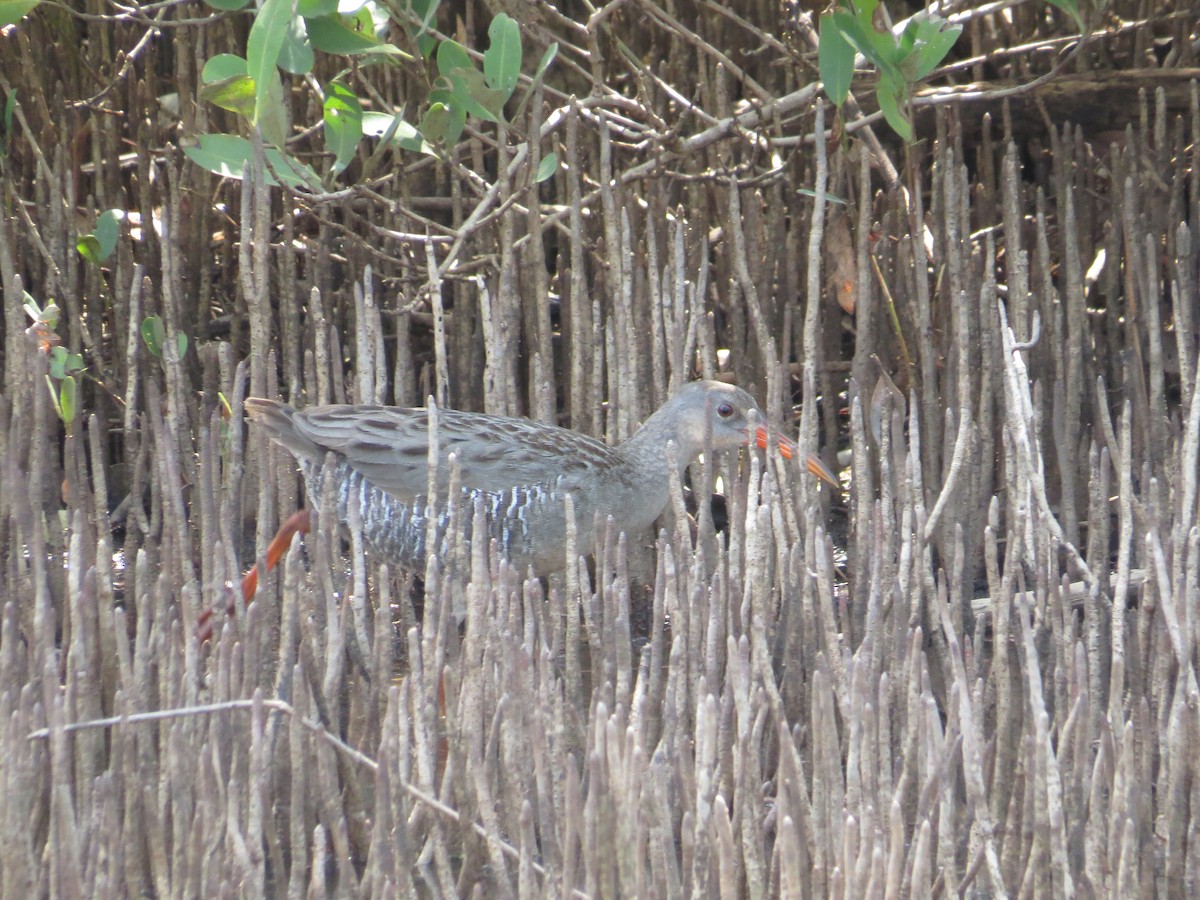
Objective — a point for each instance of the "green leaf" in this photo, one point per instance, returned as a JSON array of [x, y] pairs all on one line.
[[222, 67], [852, 33], [454, 130], [6, 124], [153, 334], [426, 11], [343, 124], [544, 63], [313, 9], [10, 104], [54, 397], [890, 104], [471, 95], [266, 39], [933, 43], [235, 94], [47, 314], [546, 168], [99, 245], [835, 58], [446, 94], [452, 56], [273, 120], [89, 248], [1071, 8], [227, 5], [908, 38], [829, 198], [108, 229], [344, 36], [502, 60], [436, 123], [296, 55], [403, 134], [227, 154], [542, 66], [15, 10], [66, 406], [58, 362], [879, 47]]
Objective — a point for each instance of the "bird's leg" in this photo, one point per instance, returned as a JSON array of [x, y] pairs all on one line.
[[299, 522]]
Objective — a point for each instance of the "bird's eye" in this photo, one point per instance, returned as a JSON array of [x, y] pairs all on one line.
[[724, 410]]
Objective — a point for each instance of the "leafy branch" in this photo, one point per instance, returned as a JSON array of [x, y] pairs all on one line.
[[284, 38], [902, 60]]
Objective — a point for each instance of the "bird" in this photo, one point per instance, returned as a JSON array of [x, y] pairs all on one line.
[[519, 470]]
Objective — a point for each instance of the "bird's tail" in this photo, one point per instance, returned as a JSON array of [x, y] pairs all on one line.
[[279, 421]]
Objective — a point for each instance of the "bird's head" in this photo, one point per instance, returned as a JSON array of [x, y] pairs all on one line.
[[727, 416]]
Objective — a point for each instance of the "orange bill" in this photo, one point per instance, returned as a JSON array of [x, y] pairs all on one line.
[[787, 449]]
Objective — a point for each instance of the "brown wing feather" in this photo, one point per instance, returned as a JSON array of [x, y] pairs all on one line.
[[389, 446]]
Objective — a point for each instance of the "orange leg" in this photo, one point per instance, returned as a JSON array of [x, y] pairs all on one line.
[[298, 522]]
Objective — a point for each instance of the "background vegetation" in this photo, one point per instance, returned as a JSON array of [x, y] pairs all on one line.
[[975, 672]]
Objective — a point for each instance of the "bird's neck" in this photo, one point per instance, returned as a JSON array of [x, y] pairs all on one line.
[[645, 452]]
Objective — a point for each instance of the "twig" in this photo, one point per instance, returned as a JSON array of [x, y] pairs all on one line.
[[316, 728]]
